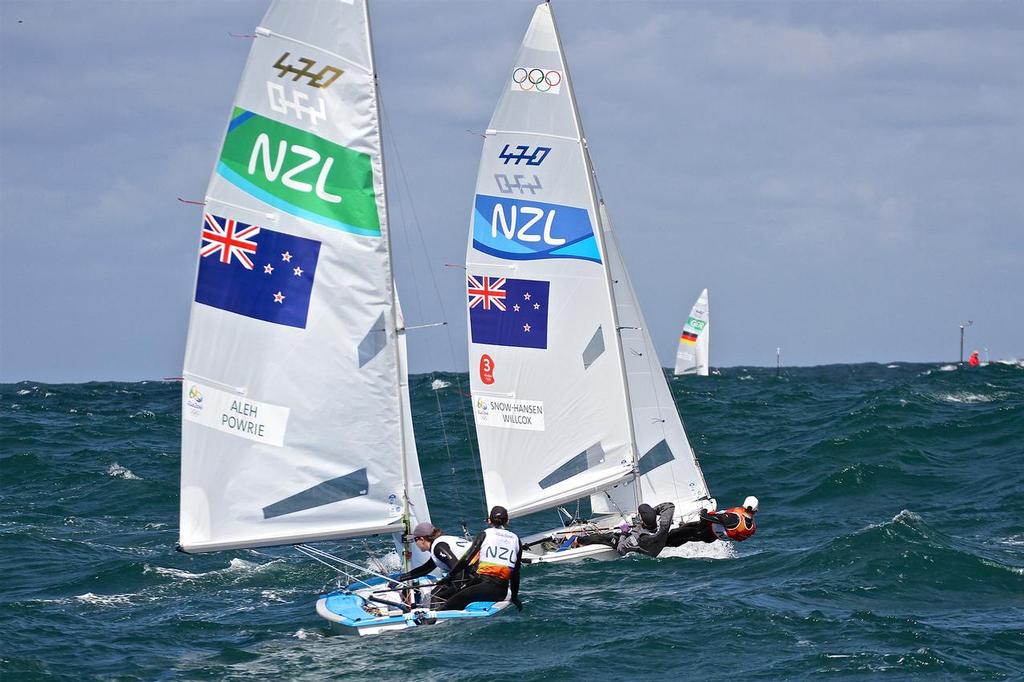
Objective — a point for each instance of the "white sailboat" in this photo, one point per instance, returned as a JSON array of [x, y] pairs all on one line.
[[296, 422], [694, 341], [568, 394]]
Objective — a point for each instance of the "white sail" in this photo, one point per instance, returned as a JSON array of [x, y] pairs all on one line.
[[669, 471], [692, 354], [295, 407], [546, 371]]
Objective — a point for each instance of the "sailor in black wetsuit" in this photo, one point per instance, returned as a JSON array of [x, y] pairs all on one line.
[[498, 556], [445, 552], [647, 537]]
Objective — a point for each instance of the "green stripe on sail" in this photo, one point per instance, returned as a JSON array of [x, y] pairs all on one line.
[[300, 173]]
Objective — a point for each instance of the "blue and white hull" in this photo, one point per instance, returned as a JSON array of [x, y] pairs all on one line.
[[370, 608]]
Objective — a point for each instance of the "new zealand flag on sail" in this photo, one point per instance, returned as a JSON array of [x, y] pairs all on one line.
[[508, 312], [256, 272]]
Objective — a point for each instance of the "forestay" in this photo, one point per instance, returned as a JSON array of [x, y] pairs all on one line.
[[669, 471], [547, 377], [695, 340], [295, 407]]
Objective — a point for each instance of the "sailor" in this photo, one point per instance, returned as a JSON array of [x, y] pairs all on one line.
[[647, 536], [974, 360], [497, 555], [445, 551], [734, 524]]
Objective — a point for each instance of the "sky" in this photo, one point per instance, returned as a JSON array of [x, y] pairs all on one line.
[[846, 178]]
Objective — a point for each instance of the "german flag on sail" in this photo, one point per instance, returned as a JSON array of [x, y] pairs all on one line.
[[688, 337]]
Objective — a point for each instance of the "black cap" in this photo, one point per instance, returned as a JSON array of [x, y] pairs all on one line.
[[648, 516], [498, 516]]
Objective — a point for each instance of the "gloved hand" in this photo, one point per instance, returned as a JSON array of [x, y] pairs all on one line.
[[518, 604]]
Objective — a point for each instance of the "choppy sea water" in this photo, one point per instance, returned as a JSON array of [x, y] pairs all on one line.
[[890, 544]]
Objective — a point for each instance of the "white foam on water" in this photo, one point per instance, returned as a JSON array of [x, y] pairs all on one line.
[[104, 599], [701, 550], [118, 471], [390, 563], [964, 397], [302, 633], [24, 391], [272, 596], [746, 377], [144, 414], [948, 368], [172, 572], [892, 366], [234, 566], [438, 384]]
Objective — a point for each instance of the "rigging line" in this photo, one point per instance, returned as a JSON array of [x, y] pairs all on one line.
[[617, 508], [473, 447], [407, 195], [309, 551]]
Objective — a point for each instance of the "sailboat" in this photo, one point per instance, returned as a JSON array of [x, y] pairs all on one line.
[[692, 355], [296, 424], [568, 395]]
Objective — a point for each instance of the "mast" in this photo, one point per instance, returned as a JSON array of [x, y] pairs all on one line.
[[596, 202], [392, 295]]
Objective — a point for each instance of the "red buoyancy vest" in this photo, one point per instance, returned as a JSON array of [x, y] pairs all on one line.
[[973, 361], [741, 531]]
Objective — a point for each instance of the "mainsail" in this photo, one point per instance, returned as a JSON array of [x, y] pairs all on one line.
[[692, 355], [547, 378], [295, 406], [568, 395]]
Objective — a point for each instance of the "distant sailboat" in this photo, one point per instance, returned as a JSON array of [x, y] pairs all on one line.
[[694, 342], [568, 394], [296, 423]]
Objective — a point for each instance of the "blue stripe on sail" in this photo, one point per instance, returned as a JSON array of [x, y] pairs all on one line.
[[239, 120], [337, 489], [244, 184], [655, 457]]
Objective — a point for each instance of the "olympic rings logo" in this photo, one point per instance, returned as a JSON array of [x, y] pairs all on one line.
[[536, 80]]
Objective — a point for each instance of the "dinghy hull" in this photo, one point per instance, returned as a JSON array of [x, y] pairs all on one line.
[[371, 608]]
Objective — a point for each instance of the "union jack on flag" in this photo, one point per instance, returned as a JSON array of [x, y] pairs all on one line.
[[228, 238], [486, 290]]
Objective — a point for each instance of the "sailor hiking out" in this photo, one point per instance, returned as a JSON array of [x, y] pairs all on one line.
[[647, 537], [734, 524], [497, 556]]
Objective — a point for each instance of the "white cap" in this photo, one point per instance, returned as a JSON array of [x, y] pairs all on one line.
[[750, 503]]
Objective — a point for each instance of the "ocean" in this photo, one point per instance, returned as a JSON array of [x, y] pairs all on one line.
[[889, 545]]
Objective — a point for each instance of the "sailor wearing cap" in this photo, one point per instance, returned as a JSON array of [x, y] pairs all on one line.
[[445, 552]]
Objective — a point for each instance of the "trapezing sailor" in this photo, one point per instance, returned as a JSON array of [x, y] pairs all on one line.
[[734, 524], [445, 551]]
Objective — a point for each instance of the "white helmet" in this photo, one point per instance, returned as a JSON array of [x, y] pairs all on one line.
[[750, 504]]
